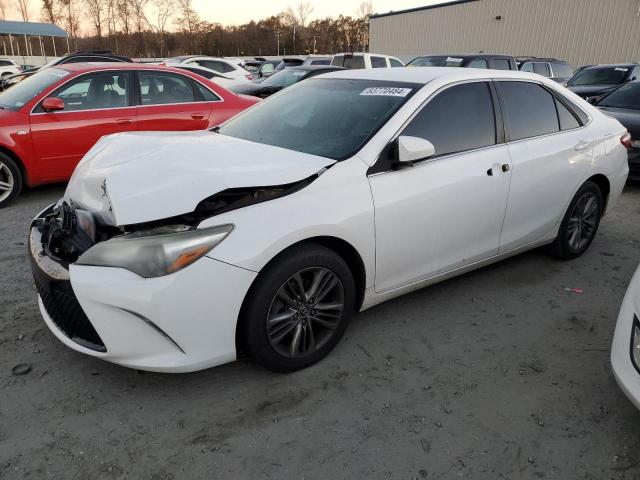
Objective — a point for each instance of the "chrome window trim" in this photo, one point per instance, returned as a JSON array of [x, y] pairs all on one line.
[[220, 99]]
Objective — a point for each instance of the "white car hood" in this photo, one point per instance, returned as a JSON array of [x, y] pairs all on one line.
[[138, 177]]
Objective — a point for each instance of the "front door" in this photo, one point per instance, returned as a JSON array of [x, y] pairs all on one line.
[[447, 211], [95, 105]]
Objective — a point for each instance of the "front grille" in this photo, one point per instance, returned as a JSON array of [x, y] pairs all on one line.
[[64, 309]]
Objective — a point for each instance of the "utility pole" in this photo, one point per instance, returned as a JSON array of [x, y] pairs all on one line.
[[278, 36]]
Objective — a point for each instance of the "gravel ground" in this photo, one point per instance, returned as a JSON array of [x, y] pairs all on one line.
[[501, 373]]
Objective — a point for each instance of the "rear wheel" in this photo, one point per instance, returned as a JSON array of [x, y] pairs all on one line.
[[298, 309], [10, 180], [580, 223]]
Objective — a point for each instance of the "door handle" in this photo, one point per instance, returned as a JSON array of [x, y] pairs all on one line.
[[197, 116], [124, 121], [582, 146]]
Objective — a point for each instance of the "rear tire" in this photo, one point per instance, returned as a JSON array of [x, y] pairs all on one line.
[[298, 308], [11, 180], [580, 223]]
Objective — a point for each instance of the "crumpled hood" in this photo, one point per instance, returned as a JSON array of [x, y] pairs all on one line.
[[136, 177]]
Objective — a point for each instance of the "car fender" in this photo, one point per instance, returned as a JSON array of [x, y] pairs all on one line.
[[337, 204]]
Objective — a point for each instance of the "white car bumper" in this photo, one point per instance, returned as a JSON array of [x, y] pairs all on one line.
[[181, 322], [624, 368]]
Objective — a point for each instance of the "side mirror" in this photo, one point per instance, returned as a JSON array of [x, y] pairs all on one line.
[[52, 104], [411, 149]]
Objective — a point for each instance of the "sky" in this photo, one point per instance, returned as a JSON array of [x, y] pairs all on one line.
[[242, 11], [236, 12]]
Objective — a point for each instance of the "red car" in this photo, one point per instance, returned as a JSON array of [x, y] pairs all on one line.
[[51, 119]]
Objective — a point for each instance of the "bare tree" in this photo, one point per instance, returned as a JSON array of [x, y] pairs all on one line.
[[188, 21], [95, 11], [51, 11], [304, 11], [3, 9], [164, 10], [71, 19], [140, 21], [24, 9]]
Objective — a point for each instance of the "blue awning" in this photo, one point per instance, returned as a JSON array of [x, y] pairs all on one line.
[[31, 28]]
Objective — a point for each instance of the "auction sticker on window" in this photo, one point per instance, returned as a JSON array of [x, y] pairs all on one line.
[[386, 91]]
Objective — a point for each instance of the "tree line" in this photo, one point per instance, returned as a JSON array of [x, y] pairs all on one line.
[[161, 28]]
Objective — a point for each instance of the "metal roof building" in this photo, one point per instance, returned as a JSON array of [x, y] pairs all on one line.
[[9, 30], [579, 31]]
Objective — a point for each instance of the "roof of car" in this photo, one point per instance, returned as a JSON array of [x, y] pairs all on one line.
[[468, 55], [94, 66], [424, 75], [309, 68], [614, 65]]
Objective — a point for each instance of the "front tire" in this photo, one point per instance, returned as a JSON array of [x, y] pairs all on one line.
[[10, 180], [298, 308], [580, 223]]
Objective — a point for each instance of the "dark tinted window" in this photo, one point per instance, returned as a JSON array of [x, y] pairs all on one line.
[[378, 62], [436, 61], [357, 61], [458, 119], [478, 63], [627, 96], [204, 93], [200, 71], [221, 67], [530, 110], [395, 63], [5, 63], [600, 76], [567, 119], [320, 62], [501, 64]]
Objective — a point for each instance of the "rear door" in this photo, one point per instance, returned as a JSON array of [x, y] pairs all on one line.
[[95, 105], [170, 101], [550, 150]]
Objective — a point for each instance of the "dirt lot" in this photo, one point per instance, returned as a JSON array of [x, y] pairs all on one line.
[[501, 373]]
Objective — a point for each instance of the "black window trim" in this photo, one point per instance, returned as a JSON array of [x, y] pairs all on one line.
[[555, 95], [37, 108], [382, 165]]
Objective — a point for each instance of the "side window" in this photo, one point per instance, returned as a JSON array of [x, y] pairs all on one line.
[[541, 69], [635, 75], [458, 119], [501, 64], [395, 63], [97, 91], [527, 67], [478, 63], [320, 62], [567, 120], [5, 63], [267, 68], [205, 94], [530, 110], [355, 62], [162, 88], [378, 62]]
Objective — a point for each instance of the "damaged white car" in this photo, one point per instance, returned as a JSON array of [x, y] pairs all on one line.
[[174, 251]]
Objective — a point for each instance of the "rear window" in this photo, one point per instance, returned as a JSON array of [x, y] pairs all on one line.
[[627, 96], [501, 64], [355, 61], [378, 62], [541, 69], [561, 70], [436, 61]]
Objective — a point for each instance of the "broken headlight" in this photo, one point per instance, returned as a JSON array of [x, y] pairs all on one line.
[[157, 252]]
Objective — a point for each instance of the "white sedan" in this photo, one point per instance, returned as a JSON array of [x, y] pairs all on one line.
[[625, 353], [172, 251]]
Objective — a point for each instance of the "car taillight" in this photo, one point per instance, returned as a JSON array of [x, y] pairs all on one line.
[[626, 140]]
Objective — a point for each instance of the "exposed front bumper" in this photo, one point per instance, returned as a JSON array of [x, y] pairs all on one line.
[[181, 322], [621, 352]]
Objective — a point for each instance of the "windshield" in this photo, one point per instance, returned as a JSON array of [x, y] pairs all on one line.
[[284, 78], [600, 76], [21, 93], [627, 96], [330, 117], [441, 61]]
